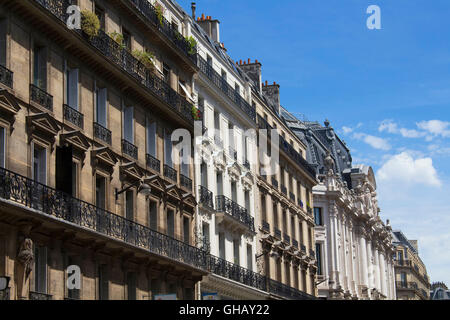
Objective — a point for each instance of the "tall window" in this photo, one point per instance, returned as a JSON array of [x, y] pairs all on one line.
[[153, 216], [100, 192], [217, 121], [275, 215], [247, 200], [300, 232], [128, 130], [186, 230], [40, 67], [403, 279], [129, 204], [204, 174], [3, 32], [126, 39], [2, 147], [292, 227], [249, 257], [72, 293], [318, 216], [101, 95], [233, 191], [231, 141], [170, 223], [74, 179], [151, 138], [131, 285], [263, 207], [222, 245], [166, 73], [236, 245], [40, 164], [72, 87], [205, 232], [100, 13], [184, 164], [103, 282], [40, 269], [168, 148], [319, 258], [219, 180]]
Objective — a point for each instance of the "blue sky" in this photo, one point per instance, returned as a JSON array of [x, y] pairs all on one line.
[[387, 93]]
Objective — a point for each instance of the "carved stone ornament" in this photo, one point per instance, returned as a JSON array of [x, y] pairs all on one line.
[[26, 255]]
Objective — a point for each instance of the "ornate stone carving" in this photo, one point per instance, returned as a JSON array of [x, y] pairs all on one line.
[[26, 256]]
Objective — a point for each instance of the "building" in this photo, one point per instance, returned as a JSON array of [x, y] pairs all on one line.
[[353, 245], [412, 281], [87, 173], [439, 291]]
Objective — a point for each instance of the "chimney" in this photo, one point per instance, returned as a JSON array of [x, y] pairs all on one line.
[[272, 94], [193, 7], [211, 27], [253, 71]]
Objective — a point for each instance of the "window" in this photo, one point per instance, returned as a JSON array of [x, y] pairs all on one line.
[[275, 215], [40, 269], [100, 13], [219, 180], [300, 232], [168, 148], [126, 39], [304, 280], [103, 282], [292, 227], [184, 164], [170, 223], [247, 200], [217, 121], [72, 87], [128, 130], [186, 230], [40, 67], [153, 216], [231, 141], [166, 73], [319, 259], [236, 246], [131, 286], [40, 164], [129, 204], [222, 245], [263, 208], [249, 257], [318, 216], [74, 179], [100, 192], [403, 279], [175, 25], [155, 285], [101, 95], [204, 175], [205, 232], [285, 222], [151, 138], [233, 191], [209, 60], [2, 147], [3, 36]]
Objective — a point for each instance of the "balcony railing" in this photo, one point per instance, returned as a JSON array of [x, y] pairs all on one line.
[[288, 292], [223, 85], [129, 149], [73, 116], [283, 190], [206, 197], [40, 296], [153, 163], [265, 226], [185, 182], [125, 60], [228, 206], [50, 202], [170, 173], [41, 97], [277, 233], [297, 157], [164, 26], [6, 76], [102, 133], [274, 183]]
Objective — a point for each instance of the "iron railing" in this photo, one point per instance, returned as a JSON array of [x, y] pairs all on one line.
[[6, 76], [228, 206], [185, 182], [73, 116], [40, 296], [129, 149], [164, 26], [102, 133], [170, 173], [41, 97], [62, 206], [265, 226], [153, 163], [297, 157], [206, 197], [125, 60], [288, 292], [223, 85]]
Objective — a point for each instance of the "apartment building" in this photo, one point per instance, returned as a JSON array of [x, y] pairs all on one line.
[[87, 173]]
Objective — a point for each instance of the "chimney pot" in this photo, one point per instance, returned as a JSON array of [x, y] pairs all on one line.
[[203, 16], [240, 61], [249, 60], [193, 7], [256, 60], [266, 83]]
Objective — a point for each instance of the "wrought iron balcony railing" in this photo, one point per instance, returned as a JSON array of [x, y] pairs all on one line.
[[185, 182], [223, 85], [277, 233], [40, 296], [153, 163], [170, 173], [73, 116], [129, 149], [274, 183], [102, 133], [237, 273], [228, 206], [288, 292], [265, 226], [6, 76], [50, 202], [41, 97], [206, 197], [284, 190], [164, 26], [125, 60], [297, 157]]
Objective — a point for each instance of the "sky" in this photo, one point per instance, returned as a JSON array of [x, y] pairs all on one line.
[[386, 92]]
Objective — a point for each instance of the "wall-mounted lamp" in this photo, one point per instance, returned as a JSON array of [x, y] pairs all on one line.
[[143, 188]]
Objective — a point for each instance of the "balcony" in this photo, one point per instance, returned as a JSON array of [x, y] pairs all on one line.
[[73, 116], [288, 292], [125, 61], [277, 233], [283, 190], [41, 97], [303, 248], [6, 76], [297, 157], [170, 173], [164, 26], [65, 208], [102, 133], [286, 238], [274, 183], [265, 226], [235, 211], [223, 85], [185, 182], [153, 163], [206, 197], [40, 296], [292, 196], [129, 149]]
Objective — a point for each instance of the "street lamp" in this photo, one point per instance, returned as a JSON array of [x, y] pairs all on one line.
[[4, 283], [143, 188]]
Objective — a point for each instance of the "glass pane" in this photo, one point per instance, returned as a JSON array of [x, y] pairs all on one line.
[[128, 124], [151, 138], [72, 88]]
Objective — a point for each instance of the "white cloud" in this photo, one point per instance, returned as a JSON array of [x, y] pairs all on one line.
[[374, 142], [347, 130], [436, 127], [403, 170], [391, 127]]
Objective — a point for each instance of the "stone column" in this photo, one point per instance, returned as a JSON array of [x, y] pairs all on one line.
[[363, 260], [383, 274], [333, 245], [370, 264], [353, 274], [376, 268], [344, 254]]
